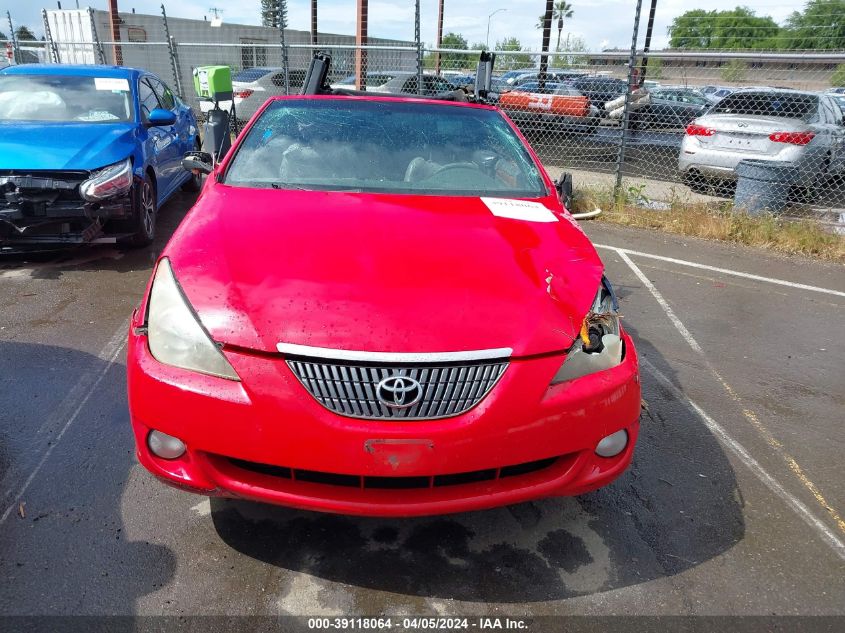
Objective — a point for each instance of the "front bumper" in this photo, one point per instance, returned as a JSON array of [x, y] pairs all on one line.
[[267, 439], [46, 209]]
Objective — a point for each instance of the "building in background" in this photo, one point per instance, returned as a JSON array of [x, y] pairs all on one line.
[[144, 45]]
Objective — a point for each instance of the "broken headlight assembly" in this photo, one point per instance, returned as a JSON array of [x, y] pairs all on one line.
[[175, 334], [107, 182], [599, 343]]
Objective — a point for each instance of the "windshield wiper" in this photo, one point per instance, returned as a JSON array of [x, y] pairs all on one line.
[[279, 185]]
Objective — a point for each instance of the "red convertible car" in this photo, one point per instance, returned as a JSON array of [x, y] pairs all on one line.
[[379, 306]]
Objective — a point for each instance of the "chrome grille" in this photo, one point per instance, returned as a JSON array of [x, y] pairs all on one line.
[[350, 388]]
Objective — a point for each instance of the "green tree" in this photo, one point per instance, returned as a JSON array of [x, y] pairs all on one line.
[[510, 61], [734, 71], [572, 44], [23, 34], [738, 28], [821, 26], [451, 61], [454, 61], [654, 70], [270, 13], [837, 79]]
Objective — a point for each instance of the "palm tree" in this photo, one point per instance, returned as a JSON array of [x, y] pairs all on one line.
[[562, 9]]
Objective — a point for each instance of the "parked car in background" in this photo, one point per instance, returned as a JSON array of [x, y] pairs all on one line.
[[837, 91], [461, 80], [506, 80], [600, 90], [406, 82], [88, 153], [669, 107], [319, 295], [714, 96], [839, 99], [253, 86], [544, 114], [802, 128], [552, 75], [375, 78]]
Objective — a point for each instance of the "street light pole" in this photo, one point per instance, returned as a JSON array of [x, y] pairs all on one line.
[[489, 17]]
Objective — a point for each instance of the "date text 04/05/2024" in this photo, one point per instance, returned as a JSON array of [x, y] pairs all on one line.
[[417, 623]]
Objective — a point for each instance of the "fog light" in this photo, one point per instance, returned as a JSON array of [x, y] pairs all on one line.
[[166, 446], [613, 444]]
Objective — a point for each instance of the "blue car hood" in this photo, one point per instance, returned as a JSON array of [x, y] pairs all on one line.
[[64, 146]]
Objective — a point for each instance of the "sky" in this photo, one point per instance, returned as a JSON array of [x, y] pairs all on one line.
[[601, 23]]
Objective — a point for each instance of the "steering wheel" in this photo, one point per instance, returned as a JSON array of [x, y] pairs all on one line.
[[454, 167]]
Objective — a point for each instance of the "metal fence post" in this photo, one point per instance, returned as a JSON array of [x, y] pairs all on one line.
[[632, 61], [15, 51], [283, 23], [98, 46], [54, 52], [419, 48], [171, 48]]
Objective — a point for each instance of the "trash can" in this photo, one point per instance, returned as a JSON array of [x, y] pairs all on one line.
[[764, 185]]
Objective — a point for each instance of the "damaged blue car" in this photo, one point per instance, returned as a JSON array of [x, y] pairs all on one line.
[[88, 154]]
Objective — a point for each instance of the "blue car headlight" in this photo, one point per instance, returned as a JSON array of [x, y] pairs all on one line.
[[108, 182]]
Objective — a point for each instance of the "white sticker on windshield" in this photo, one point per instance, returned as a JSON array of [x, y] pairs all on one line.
[[111, 83], [519, 210]]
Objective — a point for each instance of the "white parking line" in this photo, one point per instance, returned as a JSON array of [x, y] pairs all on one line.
[[753, 465], [749, 415], [71, 407], [726, 271], [688, 337]]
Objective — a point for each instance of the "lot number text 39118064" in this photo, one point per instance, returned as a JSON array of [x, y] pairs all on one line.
[[417, 623]]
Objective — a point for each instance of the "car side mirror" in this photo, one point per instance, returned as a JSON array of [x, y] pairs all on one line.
[[563, 184], [198, 162], [160, 118]]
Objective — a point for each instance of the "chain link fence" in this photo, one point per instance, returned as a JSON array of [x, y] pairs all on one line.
[[678, 126]]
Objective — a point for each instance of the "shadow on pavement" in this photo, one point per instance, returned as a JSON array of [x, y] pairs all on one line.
[[69, 553], [677, 507]]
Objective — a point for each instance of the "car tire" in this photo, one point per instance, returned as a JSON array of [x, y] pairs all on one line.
[[194, 183], [811, 191], [144, 213], [697, 183]]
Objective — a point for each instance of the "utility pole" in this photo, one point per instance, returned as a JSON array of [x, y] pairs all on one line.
[[360, 42], [490, 17], [547, 36], [439, 36], [314, 23], [647, 45], [114, 20]]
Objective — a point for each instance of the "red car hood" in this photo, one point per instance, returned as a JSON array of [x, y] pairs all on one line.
[[374, 272]]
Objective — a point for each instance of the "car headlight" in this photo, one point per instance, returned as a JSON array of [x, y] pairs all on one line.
[[107, 182], [599, 344], [176, 336]]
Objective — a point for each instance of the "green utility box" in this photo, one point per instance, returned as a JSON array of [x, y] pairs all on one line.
[[213, 82]]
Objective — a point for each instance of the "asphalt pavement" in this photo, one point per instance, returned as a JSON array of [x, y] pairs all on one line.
[[734, 504]]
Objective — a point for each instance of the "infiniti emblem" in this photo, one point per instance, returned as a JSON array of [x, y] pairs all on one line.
[[399, 392]]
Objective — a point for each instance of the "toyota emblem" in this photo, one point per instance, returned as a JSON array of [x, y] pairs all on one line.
[[399, 392]]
